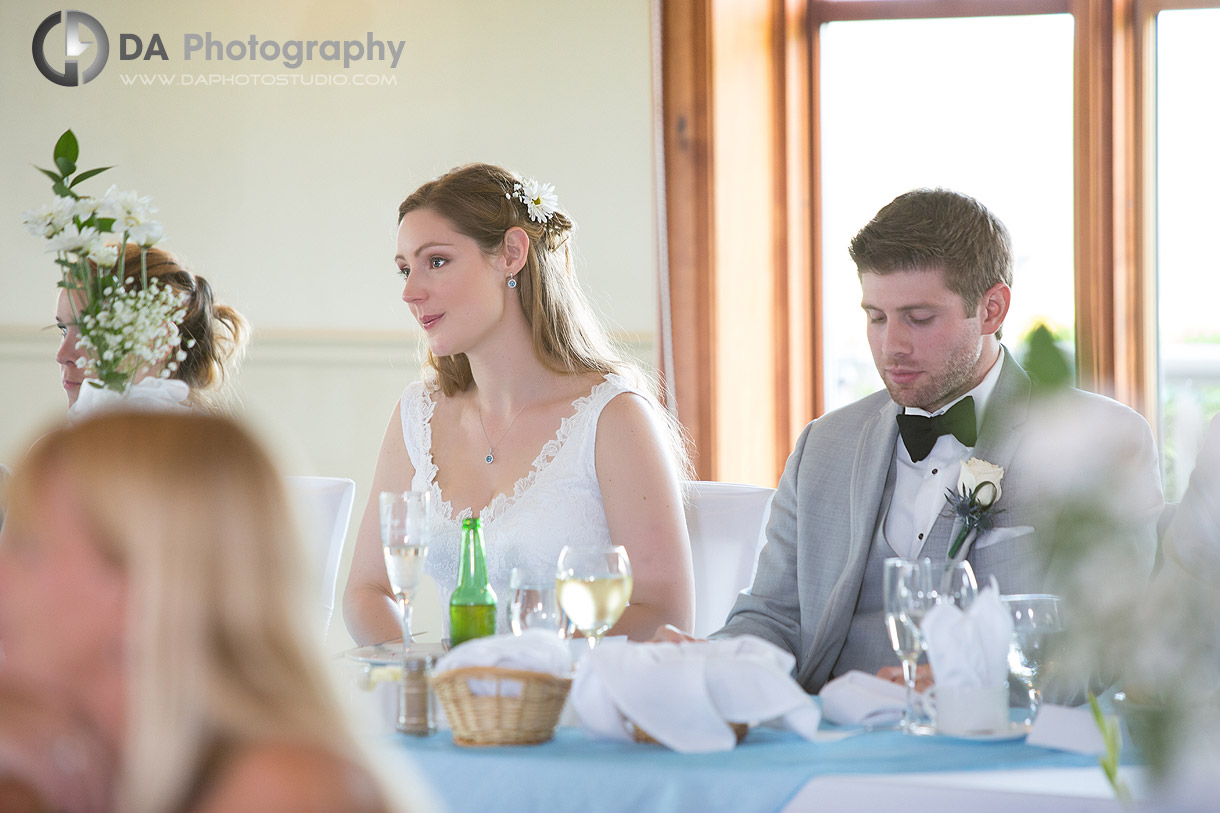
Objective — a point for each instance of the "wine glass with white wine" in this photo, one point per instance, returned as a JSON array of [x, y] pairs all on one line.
[[404, 541], [593, 585]]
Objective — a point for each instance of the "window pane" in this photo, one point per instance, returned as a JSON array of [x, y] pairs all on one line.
[[979, 105], [1188, 280]]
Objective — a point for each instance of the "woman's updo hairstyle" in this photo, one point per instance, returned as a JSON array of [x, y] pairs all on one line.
[[219, 332], [480, 201]]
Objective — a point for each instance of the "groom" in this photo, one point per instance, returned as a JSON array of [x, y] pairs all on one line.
[[869, 481]]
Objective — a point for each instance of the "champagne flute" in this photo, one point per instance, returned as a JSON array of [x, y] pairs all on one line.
[[910, 591], [593, 584], [404, 542]]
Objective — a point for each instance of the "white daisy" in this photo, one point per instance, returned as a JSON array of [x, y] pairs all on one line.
[[128, 209], [104, 255], [74, 239], [146, 233], [40, 222], [539, 198]]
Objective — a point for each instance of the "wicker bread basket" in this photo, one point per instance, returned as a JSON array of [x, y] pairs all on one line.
[[522, 708]]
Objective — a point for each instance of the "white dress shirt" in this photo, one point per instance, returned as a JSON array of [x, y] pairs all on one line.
[[919, 488]]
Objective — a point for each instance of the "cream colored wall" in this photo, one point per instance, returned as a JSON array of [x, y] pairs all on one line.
[[285, 197]]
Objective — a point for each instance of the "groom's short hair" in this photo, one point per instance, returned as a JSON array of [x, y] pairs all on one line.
[[937, 228]]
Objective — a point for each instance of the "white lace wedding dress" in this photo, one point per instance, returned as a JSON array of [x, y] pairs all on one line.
[[557, 503]]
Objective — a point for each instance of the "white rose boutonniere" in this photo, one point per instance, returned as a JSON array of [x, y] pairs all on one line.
[[978, 490], [980, 481]]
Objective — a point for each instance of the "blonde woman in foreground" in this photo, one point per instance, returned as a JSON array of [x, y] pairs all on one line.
[[154, 619]]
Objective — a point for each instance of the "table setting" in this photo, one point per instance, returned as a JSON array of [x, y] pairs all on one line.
[[541, 716]]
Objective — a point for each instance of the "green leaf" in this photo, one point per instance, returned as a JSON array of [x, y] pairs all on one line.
[[54, 176], [65, 166], [104, 224], [113, 380], [1112, 737], [87, 174], [67, 148], [64, 192], [1046, 364]]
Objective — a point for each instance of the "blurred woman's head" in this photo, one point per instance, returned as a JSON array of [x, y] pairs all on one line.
[[480, 201], [161, 547], [219, 332]]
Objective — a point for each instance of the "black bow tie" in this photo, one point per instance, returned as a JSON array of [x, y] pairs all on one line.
[[919, 432]]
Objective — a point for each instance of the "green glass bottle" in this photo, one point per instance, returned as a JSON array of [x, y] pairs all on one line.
[[472, 607]]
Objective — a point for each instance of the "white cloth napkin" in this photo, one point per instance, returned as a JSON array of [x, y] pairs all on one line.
[[146, 395], [533, 651], [858, 698], [684, 695], [969, 648]]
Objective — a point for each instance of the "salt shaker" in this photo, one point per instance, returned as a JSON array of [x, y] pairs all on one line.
[[416, 703]]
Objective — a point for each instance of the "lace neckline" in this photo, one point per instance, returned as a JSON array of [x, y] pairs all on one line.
[[503, 502]]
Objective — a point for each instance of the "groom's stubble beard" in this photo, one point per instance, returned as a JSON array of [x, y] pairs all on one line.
[[957, 374]]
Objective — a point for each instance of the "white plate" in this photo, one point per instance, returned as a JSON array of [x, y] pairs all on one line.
[[1015, 731], [391, 653]]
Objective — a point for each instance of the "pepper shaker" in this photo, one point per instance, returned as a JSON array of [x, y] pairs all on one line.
[[416, 703]]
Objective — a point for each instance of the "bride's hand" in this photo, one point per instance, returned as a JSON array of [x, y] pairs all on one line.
[[669, 634]]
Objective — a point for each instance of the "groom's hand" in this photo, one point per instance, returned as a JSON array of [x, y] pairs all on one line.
[[923, 676]]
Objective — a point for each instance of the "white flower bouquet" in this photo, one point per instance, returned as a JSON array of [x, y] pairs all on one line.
[[127, 331]]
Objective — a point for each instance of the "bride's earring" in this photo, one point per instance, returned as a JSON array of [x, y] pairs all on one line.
[[512, 282]]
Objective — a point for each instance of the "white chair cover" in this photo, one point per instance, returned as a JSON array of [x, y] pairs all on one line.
[[324, 508], [727, 523]]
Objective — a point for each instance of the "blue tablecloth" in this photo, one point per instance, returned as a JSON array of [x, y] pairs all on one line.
[[573, 772]]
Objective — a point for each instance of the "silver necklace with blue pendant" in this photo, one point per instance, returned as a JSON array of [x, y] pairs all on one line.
[[491, 447]]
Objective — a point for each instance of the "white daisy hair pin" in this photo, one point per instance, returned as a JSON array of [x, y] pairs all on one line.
[[540, 199]]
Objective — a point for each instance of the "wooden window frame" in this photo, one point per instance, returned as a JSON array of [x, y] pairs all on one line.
[[1113, 151]]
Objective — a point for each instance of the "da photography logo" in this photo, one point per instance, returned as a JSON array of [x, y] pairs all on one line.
[[74, 46]]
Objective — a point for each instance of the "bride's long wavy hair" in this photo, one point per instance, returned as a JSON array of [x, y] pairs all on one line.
[[568, 338]]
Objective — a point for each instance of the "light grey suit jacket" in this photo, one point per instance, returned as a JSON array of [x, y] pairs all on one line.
[[827, 505]]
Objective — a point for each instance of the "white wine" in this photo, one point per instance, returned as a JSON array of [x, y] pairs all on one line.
[[594, 604], [405, 566]]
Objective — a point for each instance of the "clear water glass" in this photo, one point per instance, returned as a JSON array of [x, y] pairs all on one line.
[[1037, 623], [958, 586], [532, 602]]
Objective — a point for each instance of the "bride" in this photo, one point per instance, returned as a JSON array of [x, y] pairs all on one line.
[[526, 418]]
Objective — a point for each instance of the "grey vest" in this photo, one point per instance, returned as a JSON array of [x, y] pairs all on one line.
[[868, 643]]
